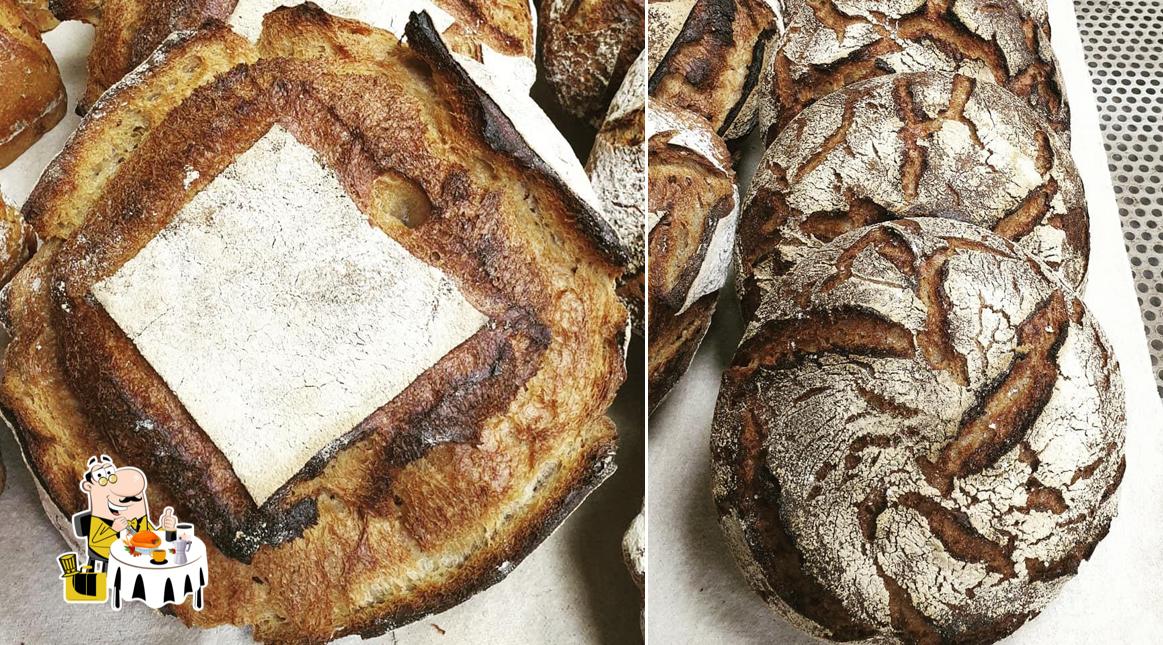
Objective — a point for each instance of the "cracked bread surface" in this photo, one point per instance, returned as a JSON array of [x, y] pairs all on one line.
[[128, 31], [832, 43], [435, 495], [693, 207], [707, 56], [919, 439], [927, 144], [586, 48], [33, 100]]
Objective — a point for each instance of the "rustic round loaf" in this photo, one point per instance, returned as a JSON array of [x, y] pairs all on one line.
[[707, 56], [617, 171], [33, 99], [832, 43], [339, 298], [586, 47], [920, 437], [693, 209], [499, 33], [919, 144]]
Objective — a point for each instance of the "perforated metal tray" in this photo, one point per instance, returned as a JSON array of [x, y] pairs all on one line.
[[1123, 41]]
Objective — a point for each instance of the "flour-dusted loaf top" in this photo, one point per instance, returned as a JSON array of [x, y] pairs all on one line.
[[693, 209], [919, 438], [33, 98], [707, 57], [831, 43], [361, 328], [501, 33], [928, 144], [587, 46]]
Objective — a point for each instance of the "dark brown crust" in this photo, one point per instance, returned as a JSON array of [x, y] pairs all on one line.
[[33, 100], [933, 25], [585, 50], [449, 456], [715, 62]]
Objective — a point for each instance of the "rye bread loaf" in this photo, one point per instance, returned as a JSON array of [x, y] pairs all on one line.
[[500, 33], [586, 47], [928, 144], [617, 171], [33, 99], [707, 57], [428, 208], [832, 43], [920, 437], [692, 211]]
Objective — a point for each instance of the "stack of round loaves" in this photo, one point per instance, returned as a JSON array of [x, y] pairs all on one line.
[[920, 436]]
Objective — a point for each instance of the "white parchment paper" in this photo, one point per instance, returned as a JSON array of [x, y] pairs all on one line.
[[573, 589], [697, 594]]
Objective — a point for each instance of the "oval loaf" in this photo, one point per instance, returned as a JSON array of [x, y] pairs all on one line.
[[33, 99], [920, 437]]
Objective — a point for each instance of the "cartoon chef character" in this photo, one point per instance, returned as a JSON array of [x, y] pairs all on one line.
[[117, 503]]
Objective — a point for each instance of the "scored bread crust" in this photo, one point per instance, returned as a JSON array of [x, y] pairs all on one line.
[[693, 206], [709, 58], [832, 43], [586, 47], [437, 494], [920, 437], [33, 100], [928, 144], [128, 31]]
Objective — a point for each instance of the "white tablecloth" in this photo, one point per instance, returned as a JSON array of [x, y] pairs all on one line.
[[136, 577]]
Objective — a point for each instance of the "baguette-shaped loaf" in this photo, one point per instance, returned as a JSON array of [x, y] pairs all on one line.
[[33, 98], [832, 43], [500, 33], [447, 483], [586, 48], [919, 438], [693, 208], [707, 56], [928, 144]]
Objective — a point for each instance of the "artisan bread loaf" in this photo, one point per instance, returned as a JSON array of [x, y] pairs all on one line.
[[922, 144], [335, 302], [920, 437], [693, 210], [707, 57], [617, 171], [832, 43], [498, 32], [40, 14], [33, 100], [586, 47], [17, 241]]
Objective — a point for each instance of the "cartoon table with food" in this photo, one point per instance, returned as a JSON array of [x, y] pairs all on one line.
[[158, 564]]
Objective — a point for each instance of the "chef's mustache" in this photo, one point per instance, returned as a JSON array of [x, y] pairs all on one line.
[[127, 500]]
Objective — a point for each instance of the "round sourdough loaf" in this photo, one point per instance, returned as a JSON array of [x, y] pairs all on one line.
[[832, 43], [499, 33], [617, 171], [33, 99], [693, 209], [904, 145], [920, 437], [707, 56], [586, 48], [351, 315]]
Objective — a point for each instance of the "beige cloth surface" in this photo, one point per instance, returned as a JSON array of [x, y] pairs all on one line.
[[574, 588], [1117, 596]]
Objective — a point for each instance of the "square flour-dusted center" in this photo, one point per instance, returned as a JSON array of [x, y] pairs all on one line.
[[278, 315]]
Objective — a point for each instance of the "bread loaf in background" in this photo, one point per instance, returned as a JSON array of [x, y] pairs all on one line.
[[500, 33], [920, 437], [832, 43], [586, 46], [33, 99], [40, 14], [926, 144], [692, 213], [707, 56]]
